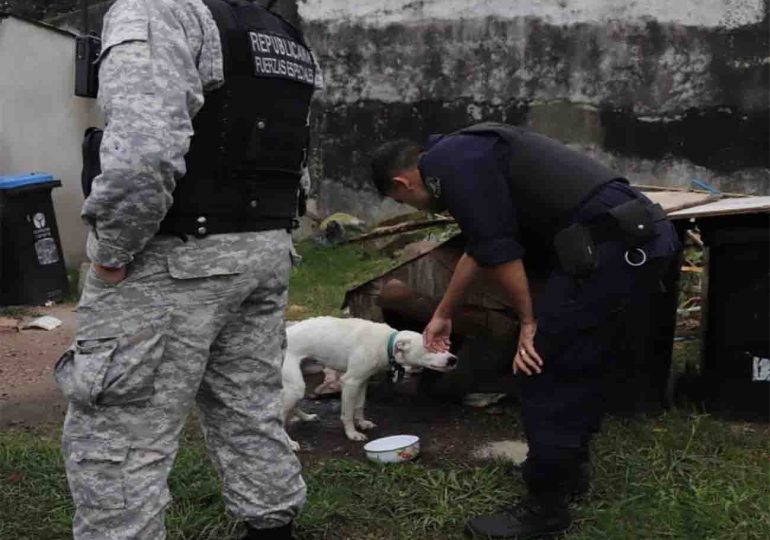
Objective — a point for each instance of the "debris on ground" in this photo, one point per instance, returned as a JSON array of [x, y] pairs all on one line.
[[481, 400], [45, 322], [339, 227], [513, 451]]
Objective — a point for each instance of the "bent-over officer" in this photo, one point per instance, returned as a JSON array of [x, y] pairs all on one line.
[[512, 190]]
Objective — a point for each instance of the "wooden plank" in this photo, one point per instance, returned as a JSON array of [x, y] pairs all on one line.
[[672, 201], [398, 229], [645, 187], [724, 207]]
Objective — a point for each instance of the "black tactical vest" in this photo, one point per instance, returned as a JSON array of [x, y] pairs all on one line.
[[250, 138], [549, 181]]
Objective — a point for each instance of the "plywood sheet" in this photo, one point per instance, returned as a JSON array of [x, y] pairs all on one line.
[[671, 201], [724, 207]]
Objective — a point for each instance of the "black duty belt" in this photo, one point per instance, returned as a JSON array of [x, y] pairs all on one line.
[[201, 226], [632, 223]]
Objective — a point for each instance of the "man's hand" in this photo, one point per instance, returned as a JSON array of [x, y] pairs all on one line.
[[113, 276], [527, 359], [435, 337]]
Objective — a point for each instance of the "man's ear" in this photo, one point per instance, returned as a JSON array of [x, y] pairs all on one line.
[[404, 182]]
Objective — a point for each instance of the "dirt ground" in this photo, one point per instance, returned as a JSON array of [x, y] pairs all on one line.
[[28, 395], [447, 431], [29, 398]]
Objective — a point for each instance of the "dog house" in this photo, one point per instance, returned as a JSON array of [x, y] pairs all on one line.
[[485, 327]]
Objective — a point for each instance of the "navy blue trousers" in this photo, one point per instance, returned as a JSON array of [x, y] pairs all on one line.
[[578, 321]]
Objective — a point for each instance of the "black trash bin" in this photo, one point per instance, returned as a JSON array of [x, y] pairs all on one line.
[[32, 269], [736, 348]]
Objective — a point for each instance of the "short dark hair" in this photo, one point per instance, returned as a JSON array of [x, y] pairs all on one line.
[[391, 158]]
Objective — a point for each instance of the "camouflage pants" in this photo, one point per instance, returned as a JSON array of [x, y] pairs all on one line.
[[200, 322]]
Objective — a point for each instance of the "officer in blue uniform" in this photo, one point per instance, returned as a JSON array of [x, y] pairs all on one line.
[[513, 191]]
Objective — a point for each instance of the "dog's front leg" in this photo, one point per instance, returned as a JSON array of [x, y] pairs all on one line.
[[350, 391], [362, 422]]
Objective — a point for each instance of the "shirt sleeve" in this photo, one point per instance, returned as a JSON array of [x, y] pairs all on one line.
[[475, 190], [155, 64]]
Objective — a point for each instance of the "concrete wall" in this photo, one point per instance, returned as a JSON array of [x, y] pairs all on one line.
[[41, 121], [663, 91]]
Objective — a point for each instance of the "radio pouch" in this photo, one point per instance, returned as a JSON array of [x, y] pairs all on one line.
[[636, 220], [576, 251]]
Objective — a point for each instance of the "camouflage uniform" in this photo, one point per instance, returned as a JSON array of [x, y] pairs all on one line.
[[195, 321]]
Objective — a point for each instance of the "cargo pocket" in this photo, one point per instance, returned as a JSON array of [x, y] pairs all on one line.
[[114, 370], [95, 473]]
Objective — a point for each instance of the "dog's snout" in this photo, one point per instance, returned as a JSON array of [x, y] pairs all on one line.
[[451, 361]]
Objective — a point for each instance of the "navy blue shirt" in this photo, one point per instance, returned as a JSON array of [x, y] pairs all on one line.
[[473, 173], [471, 170]]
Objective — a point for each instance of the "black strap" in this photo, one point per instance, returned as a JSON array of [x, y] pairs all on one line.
[[190, 225]]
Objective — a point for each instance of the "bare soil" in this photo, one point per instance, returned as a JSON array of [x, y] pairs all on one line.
[[448, 431], [28, 395], [29, 399]]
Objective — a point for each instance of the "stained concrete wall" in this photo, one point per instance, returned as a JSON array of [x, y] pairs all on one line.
[[663, 91], [41, 121]]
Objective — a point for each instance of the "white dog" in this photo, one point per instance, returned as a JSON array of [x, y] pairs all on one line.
[[359, 349]]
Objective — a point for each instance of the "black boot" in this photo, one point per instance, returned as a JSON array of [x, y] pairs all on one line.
[[528, 519], [279, 533]]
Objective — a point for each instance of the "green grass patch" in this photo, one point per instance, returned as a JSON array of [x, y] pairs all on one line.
[[677, 476], [19, 312], [680, 475], [319, 283]]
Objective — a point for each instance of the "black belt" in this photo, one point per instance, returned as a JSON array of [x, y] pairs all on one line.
[[201, 226], [632, 222]]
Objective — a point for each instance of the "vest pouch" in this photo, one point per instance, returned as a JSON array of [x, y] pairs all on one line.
[[576, 251], [636, 220], [92, 167], [276, 145], [270, 201]]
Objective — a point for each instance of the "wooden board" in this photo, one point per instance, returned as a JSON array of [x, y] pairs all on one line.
[[672, 201], [725, 207]]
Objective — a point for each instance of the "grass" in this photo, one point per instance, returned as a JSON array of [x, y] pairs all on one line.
[[319, 283], [18, 312], [682, 475]]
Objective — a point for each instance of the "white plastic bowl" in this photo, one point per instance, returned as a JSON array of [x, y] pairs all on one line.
[[394, 449]]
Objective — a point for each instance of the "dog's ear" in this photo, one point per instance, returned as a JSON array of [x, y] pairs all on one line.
[[402, 346]]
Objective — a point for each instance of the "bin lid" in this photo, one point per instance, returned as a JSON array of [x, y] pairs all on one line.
[[25, 179]]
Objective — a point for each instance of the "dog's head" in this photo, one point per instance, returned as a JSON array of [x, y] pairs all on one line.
[[410, 352]]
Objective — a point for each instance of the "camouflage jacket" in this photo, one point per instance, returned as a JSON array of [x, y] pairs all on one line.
[[159, 58]]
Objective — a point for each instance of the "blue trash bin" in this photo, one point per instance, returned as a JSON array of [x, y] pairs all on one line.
[[32, 269]]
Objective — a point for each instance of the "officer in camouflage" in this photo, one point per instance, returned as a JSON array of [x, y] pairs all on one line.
[[206, 104]]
